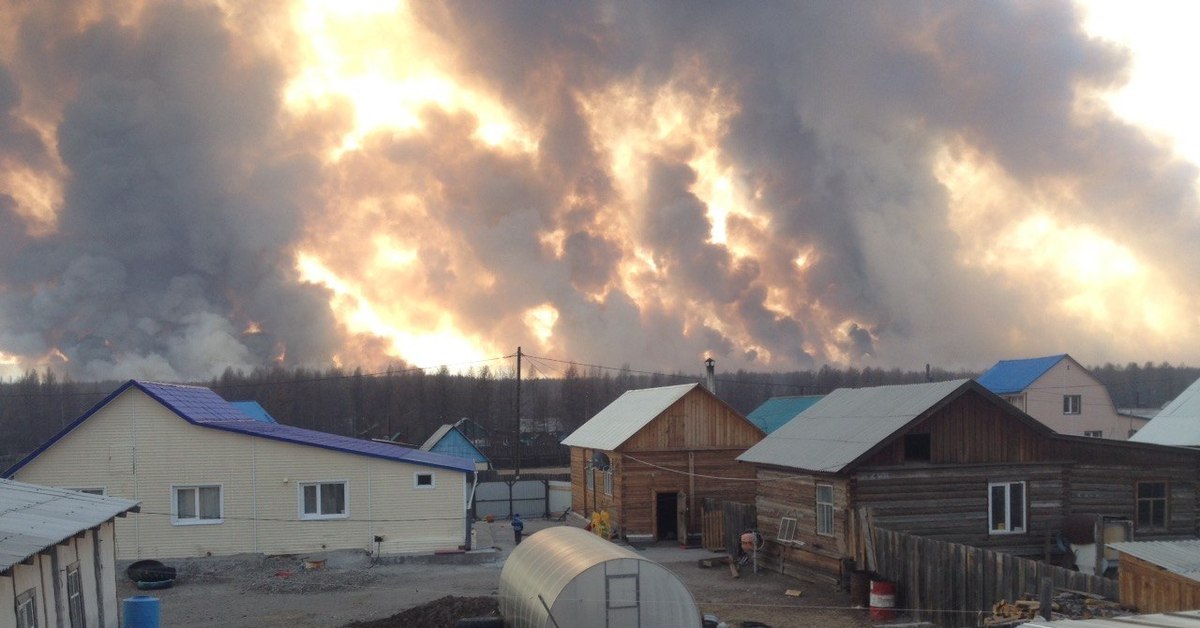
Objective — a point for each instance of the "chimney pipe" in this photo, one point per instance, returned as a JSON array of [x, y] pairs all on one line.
[[709, 381]]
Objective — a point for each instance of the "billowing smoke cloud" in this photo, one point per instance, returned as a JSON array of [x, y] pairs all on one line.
[[778, 186]]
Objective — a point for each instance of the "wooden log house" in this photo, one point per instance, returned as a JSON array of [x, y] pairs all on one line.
[[651, 457], [953, 462]]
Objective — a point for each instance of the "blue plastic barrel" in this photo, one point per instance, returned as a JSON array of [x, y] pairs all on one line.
[[140, 611]]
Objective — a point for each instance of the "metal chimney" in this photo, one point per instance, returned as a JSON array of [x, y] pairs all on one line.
[[709, 381]]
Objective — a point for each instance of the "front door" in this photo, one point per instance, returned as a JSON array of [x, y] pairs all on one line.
[[666, 520]]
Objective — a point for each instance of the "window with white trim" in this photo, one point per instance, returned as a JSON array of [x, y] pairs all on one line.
[[1072, 404], [608, 482], [825, 509], [787, 529], [75, 596], [324, 500], [424, 480], [1006, 507], [27, 609], [198, 504]]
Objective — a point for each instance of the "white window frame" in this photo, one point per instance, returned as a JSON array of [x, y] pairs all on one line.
[[608, 482], [424, 487], [1072, 404], [317, 516], [825, 524], [787, 529], [26, 609], [1008, 525], [75, 596], [196, 520]]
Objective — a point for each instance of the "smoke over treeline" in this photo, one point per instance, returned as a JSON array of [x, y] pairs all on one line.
[[191, 186]]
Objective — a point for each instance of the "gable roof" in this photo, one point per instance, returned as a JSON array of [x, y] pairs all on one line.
[[36, 517], [849, 424], [622, 418], [1013, 376], [1176, 424], [448, 439], [776, 411], [203, 407]]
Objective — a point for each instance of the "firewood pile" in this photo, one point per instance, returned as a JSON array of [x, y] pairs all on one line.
[[1066, 604]]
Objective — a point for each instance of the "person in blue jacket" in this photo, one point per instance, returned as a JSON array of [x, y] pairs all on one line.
[[518, 528]]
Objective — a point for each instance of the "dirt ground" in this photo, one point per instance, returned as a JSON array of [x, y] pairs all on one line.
[[255, 591]]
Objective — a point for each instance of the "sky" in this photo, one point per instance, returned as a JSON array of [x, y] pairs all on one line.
[[187, 187]]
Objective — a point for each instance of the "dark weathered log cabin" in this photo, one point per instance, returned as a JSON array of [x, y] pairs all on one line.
[[953, 462], [651, 457]]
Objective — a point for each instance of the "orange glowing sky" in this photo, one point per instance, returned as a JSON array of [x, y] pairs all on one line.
[[372, 182]]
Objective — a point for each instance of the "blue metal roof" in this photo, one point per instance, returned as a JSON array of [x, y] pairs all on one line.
[[253, 410], [448, 440], [203, 407], [776, 411], [1013, 376]]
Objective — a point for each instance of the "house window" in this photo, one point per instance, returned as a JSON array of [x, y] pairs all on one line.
[[75, 596], [323, 500], [27, 609], [423, 480], [1016, 400], [825, 509], [1151, 505], [917, 447], [787, 529], [1094, 433], [196, 505], [1006, 507], [608, 482], [1072, 404]]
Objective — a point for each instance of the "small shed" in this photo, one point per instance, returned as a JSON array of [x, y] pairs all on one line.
[[564, 576], [1160, 576]]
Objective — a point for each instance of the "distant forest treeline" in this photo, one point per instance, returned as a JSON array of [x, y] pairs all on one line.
[[408, 405]]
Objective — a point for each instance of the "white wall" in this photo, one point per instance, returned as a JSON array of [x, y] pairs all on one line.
[[1044, 402]]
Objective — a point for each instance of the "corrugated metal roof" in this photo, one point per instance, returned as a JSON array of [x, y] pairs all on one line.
[[1176, 424], [1013, 376], [1179, 557], [622, 418], [846, 424], [1184, 619], [34, 517], [203, 407], [776, 411]]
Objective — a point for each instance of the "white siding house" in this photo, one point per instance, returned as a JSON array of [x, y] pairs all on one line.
[[57, 566], [213, 481], [1060, 393]]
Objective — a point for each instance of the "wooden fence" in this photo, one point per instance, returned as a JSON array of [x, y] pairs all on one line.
[[723, 523], [956, 585]]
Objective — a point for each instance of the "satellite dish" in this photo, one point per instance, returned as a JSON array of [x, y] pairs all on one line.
[[600, 461]]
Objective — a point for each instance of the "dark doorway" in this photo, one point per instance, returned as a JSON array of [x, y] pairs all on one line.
[[666, 520]]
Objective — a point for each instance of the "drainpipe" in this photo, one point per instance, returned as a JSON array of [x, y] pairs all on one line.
[[467, 510], [709, 381]]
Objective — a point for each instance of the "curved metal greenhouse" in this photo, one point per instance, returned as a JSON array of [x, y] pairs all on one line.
[[566, 577]]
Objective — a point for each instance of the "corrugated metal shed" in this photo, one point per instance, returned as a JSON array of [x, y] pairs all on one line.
[[203, 407], [776, 411], [34, 517], [1186, 619], [846, 424], [1013, 376], [1176, 424], [564, 576], [1178, 557], [622, 418]]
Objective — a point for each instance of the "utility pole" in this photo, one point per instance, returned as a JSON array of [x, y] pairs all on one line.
[[517, 444]]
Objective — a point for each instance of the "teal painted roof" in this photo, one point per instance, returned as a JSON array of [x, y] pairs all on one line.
[[776, 411], [254, 411], [1013, 376]]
